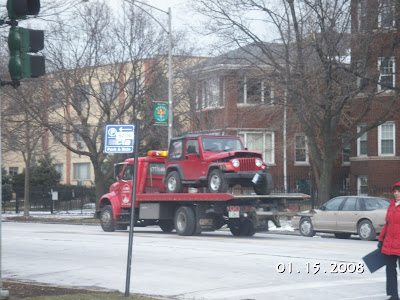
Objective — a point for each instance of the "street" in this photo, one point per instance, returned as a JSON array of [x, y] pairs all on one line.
[[214, 265]]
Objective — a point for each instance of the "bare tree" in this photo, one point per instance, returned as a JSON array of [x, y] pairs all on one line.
[[307, 45], [21, 133]]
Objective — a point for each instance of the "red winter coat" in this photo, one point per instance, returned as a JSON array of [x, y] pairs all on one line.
[[390, 234]]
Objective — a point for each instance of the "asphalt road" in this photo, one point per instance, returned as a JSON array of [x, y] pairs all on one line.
[[211, 266]]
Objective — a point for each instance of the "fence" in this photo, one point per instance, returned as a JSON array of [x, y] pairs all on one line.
[[40, 199]]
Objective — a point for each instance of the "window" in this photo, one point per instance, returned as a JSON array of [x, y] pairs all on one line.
[[301, 149], [362, 15], [211, 93], [350, 204], [362, 142], [13, 171], [134, 88], [362, 185], [386, 139], [387, 69], [254, 90], [58, 135], [175, 150], [80, 95], [82, 171], [60, 169], [387, 12], [192, 147], [199, 96], [58, 97], [334, 204], [108, 91], [261, 142], [346, 152]]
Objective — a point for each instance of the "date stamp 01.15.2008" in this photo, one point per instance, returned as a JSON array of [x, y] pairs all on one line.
[[316, 267]]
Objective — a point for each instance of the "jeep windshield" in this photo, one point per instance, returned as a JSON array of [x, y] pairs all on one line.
[[221, 144]]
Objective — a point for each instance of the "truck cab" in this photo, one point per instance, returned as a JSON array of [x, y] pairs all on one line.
[[215, 162]]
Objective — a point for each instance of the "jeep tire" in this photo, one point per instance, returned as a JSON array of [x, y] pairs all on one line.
[[217, 182], [264, 186], [173, 182]]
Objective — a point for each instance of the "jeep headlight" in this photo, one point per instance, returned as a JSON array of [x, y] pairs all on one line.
[[235, 163], [258, 162]]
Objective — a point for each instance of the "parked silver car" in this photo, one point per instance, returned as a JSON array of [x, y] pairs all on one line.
[[343, 216]]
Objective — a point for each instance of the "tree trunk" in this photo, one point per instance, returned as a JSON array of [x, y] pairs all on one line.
[[26, 189], [325, 182], [99, 181]]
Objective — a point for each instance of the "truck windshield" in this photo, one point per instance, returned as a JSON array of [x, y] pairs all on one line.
[[221, 144]]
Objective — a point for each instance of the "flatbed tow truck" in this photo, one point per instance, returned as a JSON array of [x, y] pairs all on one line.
[[190, 212]]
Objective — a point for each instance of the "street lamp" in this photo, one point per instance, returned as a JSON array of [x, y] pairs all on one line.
[[169, 32]]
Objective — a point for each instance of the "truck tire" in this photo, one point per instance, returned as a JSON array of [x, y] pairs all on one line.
[[106, 219], [264, 187], [366, 230], [244, 228], [174, 183], [217, 182], [166, 225], [306, 227], [185, 221]]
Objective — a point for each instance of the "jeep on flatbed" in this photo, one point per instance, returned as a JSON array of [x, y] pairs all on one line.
[[214, 161]]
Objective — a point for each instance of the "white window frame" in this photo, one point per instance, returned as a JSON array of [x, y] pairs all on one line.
[[362, 14], [263, 85], [244, 134], [211, 91], [363, 138], [60, 169], [360, 179], [392, 9], [393, 73], [301, 163], [380, 139]]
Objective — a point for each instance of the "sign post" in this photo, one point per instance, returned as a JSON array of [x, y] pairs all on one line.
[[120, 138]]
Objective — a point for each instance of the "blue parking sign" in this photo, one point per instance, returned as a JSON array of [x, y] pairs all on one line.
[[119, 138]]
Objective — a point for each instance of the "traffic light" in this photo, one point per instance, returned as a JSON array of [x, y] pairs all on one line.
[[19, 9], [21, 41]]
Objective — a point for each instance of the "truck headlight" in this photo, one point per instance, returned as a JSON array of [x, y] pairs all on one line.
[[235, 163], [258, 162]]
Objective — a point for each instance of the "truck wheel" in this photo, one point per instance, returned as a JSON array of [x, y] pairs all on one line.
[[366, 230], [185, 221], [166, 225], [106, 219], [217, 182], [244, 228], [265, 186], [174, 184], [306, 228]]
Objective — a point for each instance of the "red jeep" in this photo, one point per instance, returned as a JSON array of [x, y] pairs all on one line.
[[217, 162]]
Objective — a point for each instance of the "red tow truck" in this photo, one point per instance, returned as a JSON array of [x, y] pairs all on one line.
[[189, 212]]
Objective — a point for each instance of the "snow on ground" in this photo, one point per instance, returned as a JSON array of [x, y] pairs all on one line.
[[71, 214]]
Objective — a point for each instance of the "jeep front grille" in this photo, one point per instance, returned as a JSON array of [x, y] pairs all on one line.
[[247, 164]]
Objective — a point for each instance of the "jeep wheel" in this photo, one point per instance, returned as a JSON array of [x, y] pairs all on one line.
[[217, 182], [264, 187], [174, 184], [244, 228], [106, 219]]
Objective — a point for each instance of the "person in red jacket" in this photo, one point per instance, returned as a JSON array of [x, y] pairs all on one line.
[[389, 242]]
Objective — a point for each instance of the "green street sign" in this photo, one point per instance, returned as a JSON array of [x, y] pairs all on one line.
[[161, 113]]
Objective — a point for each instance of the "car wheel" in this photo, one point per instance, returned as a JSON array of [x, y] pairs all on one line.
[[217, 182], [185, 221], [107, 221], [265, 186], [306, 228], [174, 183], [342, 235], [366, 231]]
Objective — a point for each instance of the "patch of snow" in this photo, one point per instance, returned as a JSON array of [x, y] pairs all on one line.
[[285, 226], [71, 214]]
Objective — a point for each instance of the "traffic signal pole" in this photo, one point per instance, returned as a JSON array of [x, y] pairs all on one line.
[[4, 294]]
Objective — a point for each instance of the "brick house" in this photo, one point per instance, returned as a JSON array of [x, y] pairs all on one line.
[[234, 94], [375, 160]]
